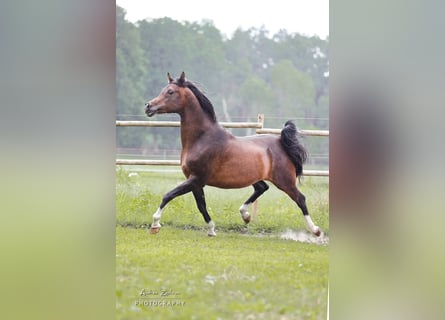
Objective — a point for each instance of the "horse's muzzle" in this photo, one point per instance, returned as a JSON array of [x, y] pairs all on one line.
[[149, 110]]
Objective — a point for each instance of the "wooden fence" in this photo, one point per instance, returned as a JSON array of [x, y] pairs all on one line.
[[255, 125]]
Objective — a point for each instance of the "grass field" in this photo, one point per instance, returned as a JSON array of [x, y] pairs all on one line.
[[243, 273]]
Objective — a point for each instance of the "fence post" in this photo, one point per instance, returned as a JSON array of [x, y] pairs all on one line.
[[255, 203], [260, 121], [255, 210]]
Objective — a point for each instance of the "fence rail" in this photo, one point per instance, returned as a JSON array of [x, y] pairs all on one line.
[[178, 124], [255, 125], [314, 133]]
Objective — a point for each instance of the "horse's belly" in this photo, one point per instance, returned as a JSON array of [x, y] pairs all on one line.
[[238, 173]]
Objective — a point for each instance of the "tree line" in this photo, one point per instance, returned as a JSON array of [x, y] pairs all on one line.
[[284, 75]]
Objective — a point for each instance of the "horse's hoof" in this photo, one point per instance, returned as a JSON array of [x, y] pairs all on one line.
[[213, 234], [318, 232], [247, 219], [154, 230]]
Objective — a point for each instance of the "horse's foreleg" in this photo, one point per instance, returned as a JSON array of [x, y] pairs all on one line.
[[259, 188], [198, 193], [183, 188]]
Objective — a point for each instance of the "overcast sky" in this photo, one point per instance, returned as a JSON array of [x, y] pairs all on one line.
[[308, 17]]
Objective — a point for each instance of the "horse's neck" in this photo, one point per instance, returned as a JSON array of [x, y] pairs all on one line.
[[194, 125]]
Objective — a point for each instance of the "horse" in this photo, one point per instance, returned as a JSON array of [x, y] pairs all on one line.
[[212, 156]]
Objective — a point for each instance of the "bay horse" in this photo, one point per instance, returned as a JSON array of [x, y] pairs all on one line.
[[212, 156]]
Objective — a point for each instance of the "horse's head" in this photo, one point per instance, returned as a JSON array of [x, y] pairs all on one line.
[[170, 100]]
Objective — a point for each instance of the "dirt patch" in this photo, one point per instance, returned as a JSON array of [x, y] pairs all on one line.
[[304, 236]]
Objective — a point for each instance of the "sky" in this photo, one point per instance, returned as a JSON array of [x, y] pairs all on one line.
[[307, 17]]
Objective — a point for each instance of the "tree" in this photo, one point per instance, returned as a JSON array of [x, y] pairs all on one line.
[[294, 90], [131, 68]]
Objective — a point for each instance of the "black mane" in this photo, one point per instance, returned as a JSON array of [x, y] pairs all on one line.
[[204, 102]]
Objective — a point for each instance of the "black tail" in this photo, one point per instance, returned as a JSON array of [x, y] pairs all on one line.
[[294, 149]]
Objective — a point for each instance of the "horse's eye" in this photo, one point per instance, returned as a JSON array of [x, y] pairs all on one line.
[[170, 91]]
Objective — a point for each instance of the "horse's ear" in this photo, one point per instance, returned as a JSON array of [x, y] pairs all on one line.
[[170, 79], [182, 78]]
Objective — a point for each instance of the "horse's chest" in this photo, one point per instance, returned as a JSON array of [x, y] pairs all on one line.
[[196, 161]]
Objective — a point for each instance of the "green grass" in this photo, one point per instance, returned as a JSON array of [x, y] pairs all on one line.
[[243, 273]]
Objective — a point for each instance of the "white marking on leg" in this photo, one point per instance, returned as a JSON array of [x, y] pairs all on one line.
[[311, 226], [211, 229], [244, 213], [157, 218]]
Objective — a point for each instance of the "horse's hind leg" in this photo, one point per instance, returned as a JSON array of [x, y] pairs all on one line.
[[259, 188], [300, 200], [198, 193]]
